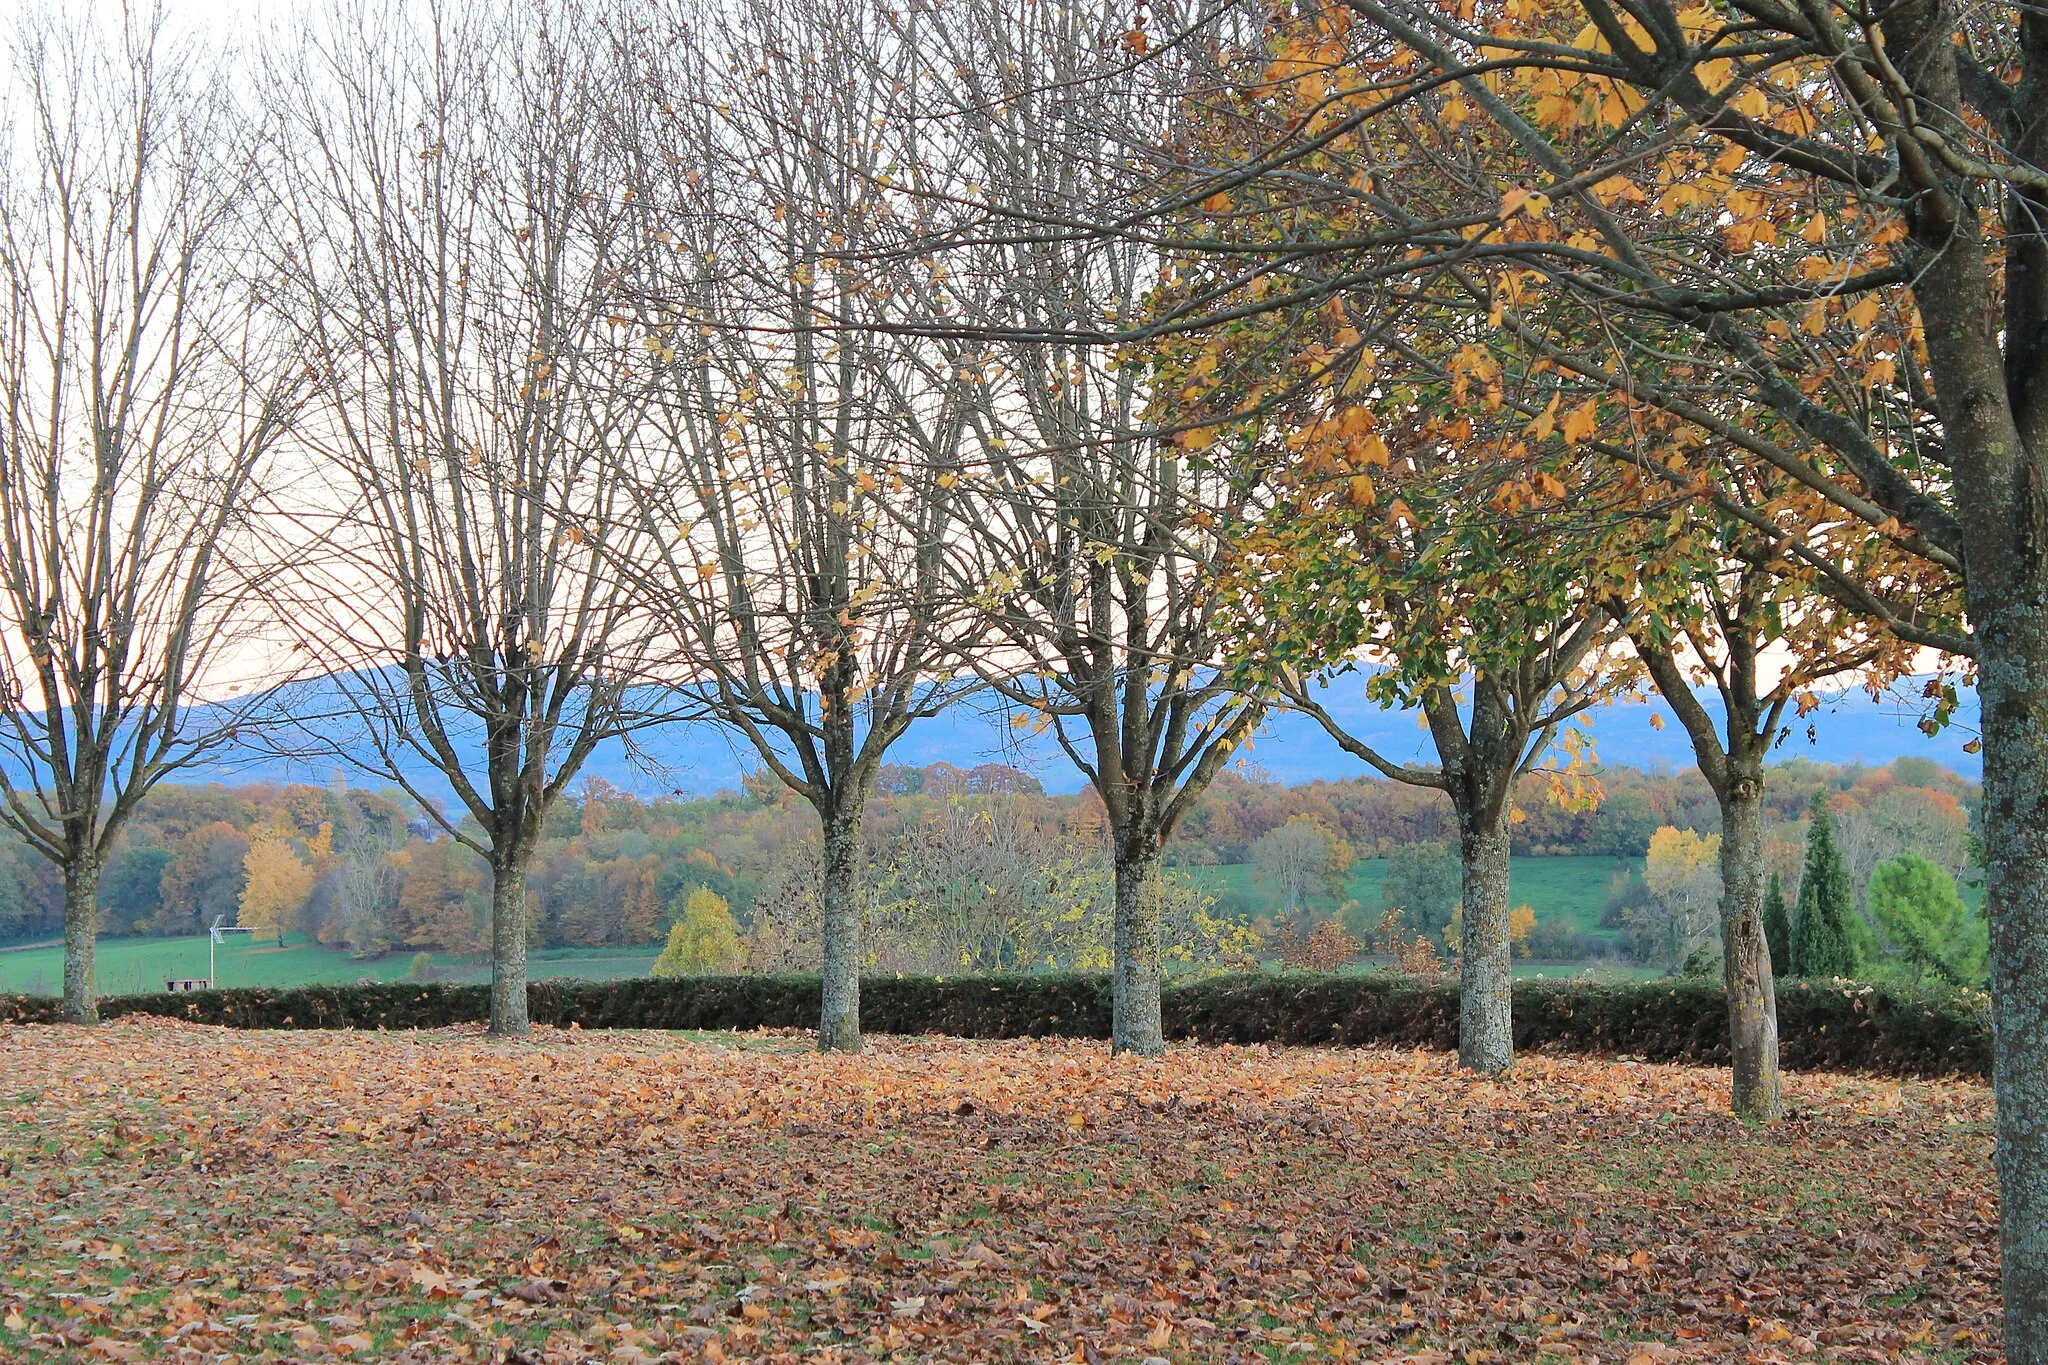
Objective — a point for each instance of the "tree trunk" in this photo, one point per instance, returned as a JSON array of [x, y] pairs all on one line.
[[1134, 998], [839, 1007], [1746, 953], [81, 930], [1486, 1031], [2013, 690], [508, 946]]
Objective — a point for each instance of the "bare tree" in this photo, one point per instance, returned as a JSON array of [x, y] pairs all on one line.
[[1298, 863], [141, 402], [803, 488], [455, 232], [1097, 549]]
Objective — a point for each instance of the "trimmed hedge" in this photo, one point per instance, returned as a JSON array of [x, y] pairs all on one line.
[[1822, 1026]]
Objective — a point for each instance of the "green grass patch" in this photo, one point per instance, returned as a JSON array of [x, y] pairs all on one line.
[[134, 966], [1572, 889]]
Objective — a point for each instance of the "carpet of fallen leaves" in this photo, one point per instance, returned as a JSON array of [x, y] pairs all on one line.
[[175, 1192]]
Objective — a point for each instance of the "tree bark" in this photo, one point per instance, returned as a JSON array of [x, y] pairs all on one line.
[[2013, 688], [508, 946], [1746, 953], [1486, 1030], [1134, 1000], [81, 931], [1988, 367], [839, 1007]]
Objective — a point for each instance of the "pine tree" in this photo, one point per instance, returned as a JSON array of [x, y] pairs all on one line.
[[1925, 923], [1821, 946], [1778, 929]]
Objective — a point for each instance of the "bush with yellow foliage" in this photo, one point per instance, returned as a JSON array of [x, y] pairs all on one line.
[[704, 938]]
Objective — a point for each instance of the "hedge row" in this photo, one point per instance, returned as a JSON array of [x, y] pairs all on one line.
[[1822, 1027]]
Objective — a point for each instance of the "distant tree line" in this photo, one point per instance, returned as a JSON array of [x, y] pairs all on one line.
[[366, 873]]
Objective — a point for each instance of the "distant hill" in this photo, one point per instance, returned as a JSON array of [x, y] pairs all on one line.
[[698, 759]]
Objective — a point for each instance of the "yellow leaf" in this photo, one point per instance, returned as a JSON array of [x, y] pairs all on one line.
[[13, 1322], [1361, 491], [1581, 422], [1361, 371], [431, 1280], [1816, 230], [1532, 203]]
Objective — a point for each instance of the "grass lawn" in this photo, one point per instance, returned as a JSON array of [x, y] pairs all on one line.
[[126, 965], [183, 1193], [1572, 889]]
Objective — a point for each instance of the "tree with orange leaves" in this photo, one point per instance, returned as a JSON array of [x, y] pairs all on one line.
[[1409, 539], [1812, 234]]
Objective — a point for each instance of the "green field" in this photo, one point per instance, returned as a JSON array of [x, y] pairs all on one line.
[[1571, 889], [130, 965], [143, 964]]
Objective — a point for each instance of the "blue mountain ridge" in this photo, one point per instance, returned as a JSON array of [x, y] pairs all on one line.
[[699, 759]]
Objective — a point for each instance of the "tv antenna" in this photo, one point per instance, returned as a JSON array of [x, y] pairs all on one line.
[[214, 934]]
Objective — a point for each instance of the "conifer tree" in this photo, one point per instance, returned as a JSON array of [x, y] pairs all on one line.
[[1821, 946], [1778, 929]]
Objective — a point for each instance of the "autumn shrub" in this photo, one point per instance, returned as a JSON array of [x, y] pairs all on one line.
[[1324, 948], [704, 938], [1554, 940], [1838, 1026]]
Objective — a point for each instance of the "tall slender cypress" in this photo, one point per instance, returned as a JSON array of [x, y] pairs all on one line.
[[1778, 929], [1821, 946]]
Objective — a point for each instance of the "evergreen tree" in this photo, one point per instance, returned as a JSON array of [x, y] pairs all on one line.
[[1925, 924], [1778, 929], [1821, 946]]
